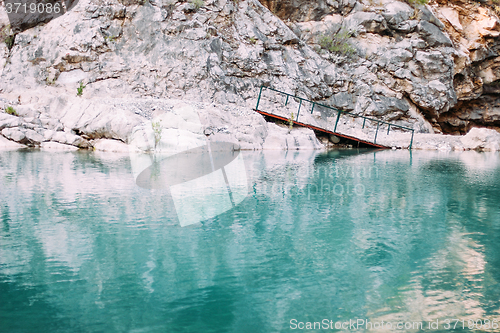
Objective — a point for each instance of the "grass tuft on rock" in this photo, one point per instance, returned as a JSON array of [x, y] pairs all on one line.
[[7, 37], [79, 90], [417, 2], [337, 43], [10, 110]]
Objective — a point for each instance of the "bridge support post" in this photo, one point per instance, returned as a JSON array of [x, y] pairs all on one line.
[[411, 142], [337, 121], [258, 100], [376, 133], [298, 112]]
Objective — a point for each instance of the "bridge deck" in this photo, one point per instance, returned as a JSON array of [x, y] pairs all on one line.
[[319, 129]]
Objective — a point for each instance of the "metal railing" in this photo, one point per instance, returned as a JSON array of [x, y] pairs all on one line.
[[339, 113]]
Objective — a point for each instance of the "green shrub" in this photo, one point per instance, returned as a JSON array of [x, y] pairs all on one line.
[[197, 3], [338, 43], [7, 37], [10, 110], [417, 2], [79, 90], [9, 41]]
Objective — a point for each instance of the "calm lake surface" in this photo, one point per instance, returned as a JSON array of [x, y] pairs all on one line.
[[321, 237]]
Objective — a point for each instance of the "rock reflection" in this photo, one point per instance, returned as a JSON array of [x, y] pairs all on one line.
[[84, 247]]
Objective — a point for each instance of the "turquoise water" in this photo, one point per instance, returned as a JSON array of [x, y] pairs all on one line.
[[347, 235]]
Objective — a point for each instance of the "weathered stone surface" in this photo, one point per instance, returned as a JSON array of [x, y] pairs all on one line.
[[307, 11], [7, 120], [396, 13], [280, 138], [365, 22], [452, 16], [481, 139], [23, 136], [433, 35], [67, 138], [421, 60], [6, 144], [110, 145], [98, 118], [484, 111], [56, 146], [425, 14]]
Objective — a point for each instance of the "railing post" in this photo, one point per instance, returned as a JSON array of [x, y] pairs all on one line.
[[411, 142], [298, 112], [312, 109], [286, 102], [364, 120], [388, 128], [337, 121], [376, 133], [258, 100]]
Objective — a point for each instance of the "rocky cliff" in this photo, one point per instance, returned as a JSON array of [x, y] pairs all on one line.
[[431, 67]]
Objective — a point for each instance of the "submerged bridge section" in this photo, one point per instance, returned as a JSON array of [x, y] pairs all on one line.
[[322, 118]]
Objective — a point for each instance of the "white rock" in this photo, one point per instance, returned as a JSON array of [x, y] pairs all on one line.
[[73, 76], [14, 134], [34, 136], [112, 119], [299, 138], [7, 120], [69, 139], [111, 145], [57, 146], [482, 139], [6, 144]]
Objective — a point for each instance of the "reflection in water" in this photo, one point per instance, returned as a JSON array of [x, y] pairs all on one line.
[[204, 181], [379, 235]]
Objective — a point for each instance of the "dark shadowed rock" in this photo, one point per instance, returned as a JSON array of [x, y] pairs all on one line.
[[432, 35], [31, 13]]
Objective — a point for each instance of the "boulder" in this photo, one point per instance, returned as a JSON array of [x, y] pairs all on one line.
[[23, 136], [396, 13], [7, 120], [110, 145], [433, 35], [425, 14], [96, 118], [481, 139], [6, 144], [386, 105], [67, 138], [365, 22], [280, 138]]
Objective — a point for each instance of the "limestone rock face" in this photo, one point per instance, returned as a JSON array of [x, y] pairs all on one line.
[[144, 125], [433, 68]]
